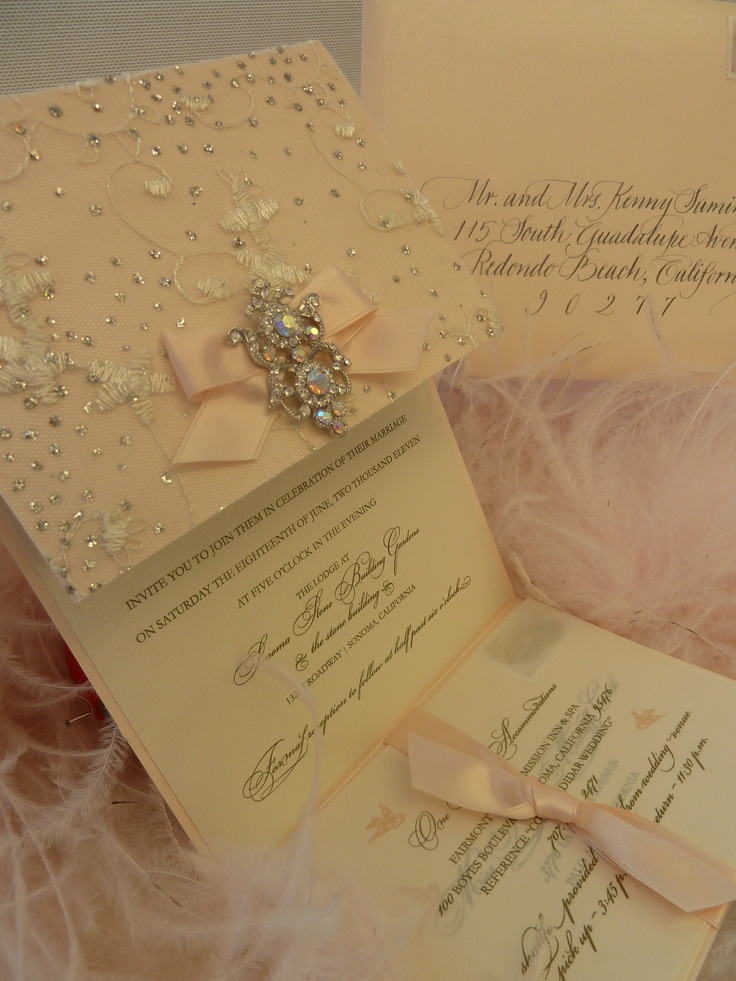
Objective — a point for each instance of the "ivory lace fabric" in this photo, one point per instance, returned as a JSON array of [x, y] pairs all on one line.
[[149, 204]]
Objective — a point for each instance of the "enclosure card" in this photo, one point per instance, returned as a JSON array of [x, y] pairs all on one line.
[[314, 611], [579, 156], [583, 710]]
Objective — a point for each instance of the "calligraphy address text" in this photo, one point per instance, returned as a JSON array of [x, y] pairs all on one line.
[[642, 251]]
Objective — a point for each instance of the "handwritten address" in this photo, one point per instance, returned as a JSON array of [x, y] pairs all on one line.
[[644, 251]]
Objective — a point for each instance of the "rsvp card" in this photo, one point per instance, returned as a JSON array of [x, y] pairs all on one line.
[[593, 714]]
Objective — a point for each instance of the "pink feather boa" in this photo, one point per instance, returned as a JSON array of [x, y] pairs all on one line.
[[613, 501]]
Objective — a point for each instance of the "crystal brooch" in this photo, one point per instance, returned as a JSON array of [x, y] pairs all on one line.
[[306, 374]]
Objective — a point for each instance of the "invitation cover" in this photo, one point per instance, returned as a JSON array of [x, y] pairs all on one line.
[[579, 155], [149, 374]]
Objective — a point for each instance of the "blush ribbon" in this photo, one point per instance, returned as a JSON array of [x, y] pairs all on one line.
[[453, 767], [234, 416]]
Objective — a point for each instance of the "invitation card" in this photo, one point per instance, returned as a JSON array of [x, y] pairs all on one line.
[[282, 637]]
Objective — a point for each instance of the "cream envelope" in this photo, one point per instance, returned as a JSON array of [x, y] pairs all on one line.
[[581, 157]]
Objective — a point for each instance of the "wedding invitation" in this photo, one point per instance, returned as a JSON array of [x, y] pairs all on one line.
[[264, 602], [147, 223], [579, 158]]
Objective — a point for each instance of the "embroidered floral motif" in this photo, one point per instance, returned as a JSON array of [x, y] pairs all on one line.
[[252, 214], [133, 385], [28, 366]]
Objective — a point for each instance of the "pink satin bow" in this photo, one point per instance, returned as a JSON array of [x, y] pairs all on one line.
[[234, 417], [453, 767]]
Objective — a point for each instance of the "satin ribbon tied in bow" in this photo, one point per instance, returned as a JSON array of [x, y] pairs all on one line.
[[453, 767], [234, 417]]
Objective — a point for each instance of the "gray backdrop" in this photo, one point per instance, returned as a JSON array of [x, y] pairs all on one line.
[[45, 43]]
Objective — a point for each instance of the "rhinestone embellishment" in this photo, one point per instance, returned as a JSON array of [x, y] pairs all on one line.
[[306, 374]]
